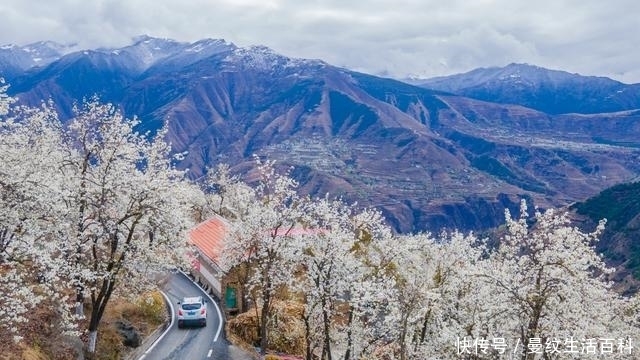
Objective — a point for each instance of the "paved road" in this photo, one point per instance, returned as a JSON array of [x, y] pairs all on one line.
[[193, 343]]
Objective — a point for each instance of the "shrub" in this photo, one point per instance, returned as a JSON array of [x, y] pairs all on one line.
[[153, 307]]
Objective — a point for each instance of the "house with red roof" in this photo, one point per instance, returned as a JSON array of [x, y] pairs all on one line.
[[208, 239]]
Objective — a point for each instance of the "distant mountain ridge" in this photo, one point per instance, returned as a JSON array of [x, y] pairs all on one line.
[[428, 159], [14, 59], [142, 53], [550, 91]]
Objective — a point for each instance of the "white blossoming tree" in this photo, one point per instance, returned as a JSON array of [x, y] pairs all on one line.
[[226, 194], [548, 287], [84, 208], [366, 327], [434, 297], [327, 265], [260, 240], [128, 208], [30, 203]]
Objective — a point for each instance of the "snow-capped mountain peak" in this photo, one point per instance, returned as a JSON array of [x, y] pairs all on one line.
[[209, 44], [551, 91], [146, 50], [263, 58], [16, 58]]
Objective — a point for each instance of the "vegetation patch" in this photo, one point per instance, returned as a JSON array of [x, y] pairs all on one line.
[[620, 205], [287, 331], [45, 341]]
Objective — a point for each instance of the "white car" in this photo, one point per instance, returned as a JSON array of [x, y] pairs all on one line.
[[192, 311]]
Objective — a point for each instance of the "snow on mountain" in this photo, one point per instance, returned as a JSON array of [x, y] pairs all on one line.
[[526, 74], [551, 91], [144, 52], [191, 53], [15, 59], [148, 50], [208, 45], [265, 59]]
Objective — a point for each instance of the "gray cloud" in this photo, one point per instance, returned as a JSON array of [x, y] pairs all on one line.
[[391, 37]]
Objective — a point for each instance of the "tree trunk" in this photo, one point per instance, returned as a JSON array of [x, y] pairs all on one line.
[[537, 307], [347, 354], [326, 351], [99, 302], [403, 335], [79, 308], [423, 332], [307, 337], [93, 339], [264, 316], [79, 301]]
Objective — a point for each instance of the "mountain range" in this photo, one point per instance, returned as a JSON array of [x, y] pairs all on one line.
[[551, 91], [448, 152]]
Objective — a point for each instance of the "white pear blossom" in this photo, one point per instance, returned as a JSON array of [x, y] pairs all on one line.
[[261, 236], [84, 208]]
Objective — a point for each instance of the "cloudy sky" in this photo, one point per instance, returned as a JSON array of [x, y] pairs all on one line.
[[395, 38]]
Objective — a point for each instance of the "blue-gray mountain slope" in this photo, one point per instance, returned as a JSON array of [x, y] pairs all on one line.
[[428, 159]]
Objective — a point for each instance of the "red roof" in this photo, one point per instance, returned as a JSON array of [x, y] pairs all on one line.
[[209, 236]]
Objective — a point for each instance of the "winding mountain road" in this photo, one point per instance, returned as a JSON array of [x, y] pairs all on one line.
[[192, 343]]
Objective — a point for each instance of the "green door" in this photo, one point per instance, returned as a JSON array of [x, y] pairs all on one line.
[[230, 298]]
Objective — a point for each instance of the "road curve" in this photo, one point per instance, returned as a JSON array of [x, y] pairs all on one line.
[[192, 343]]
